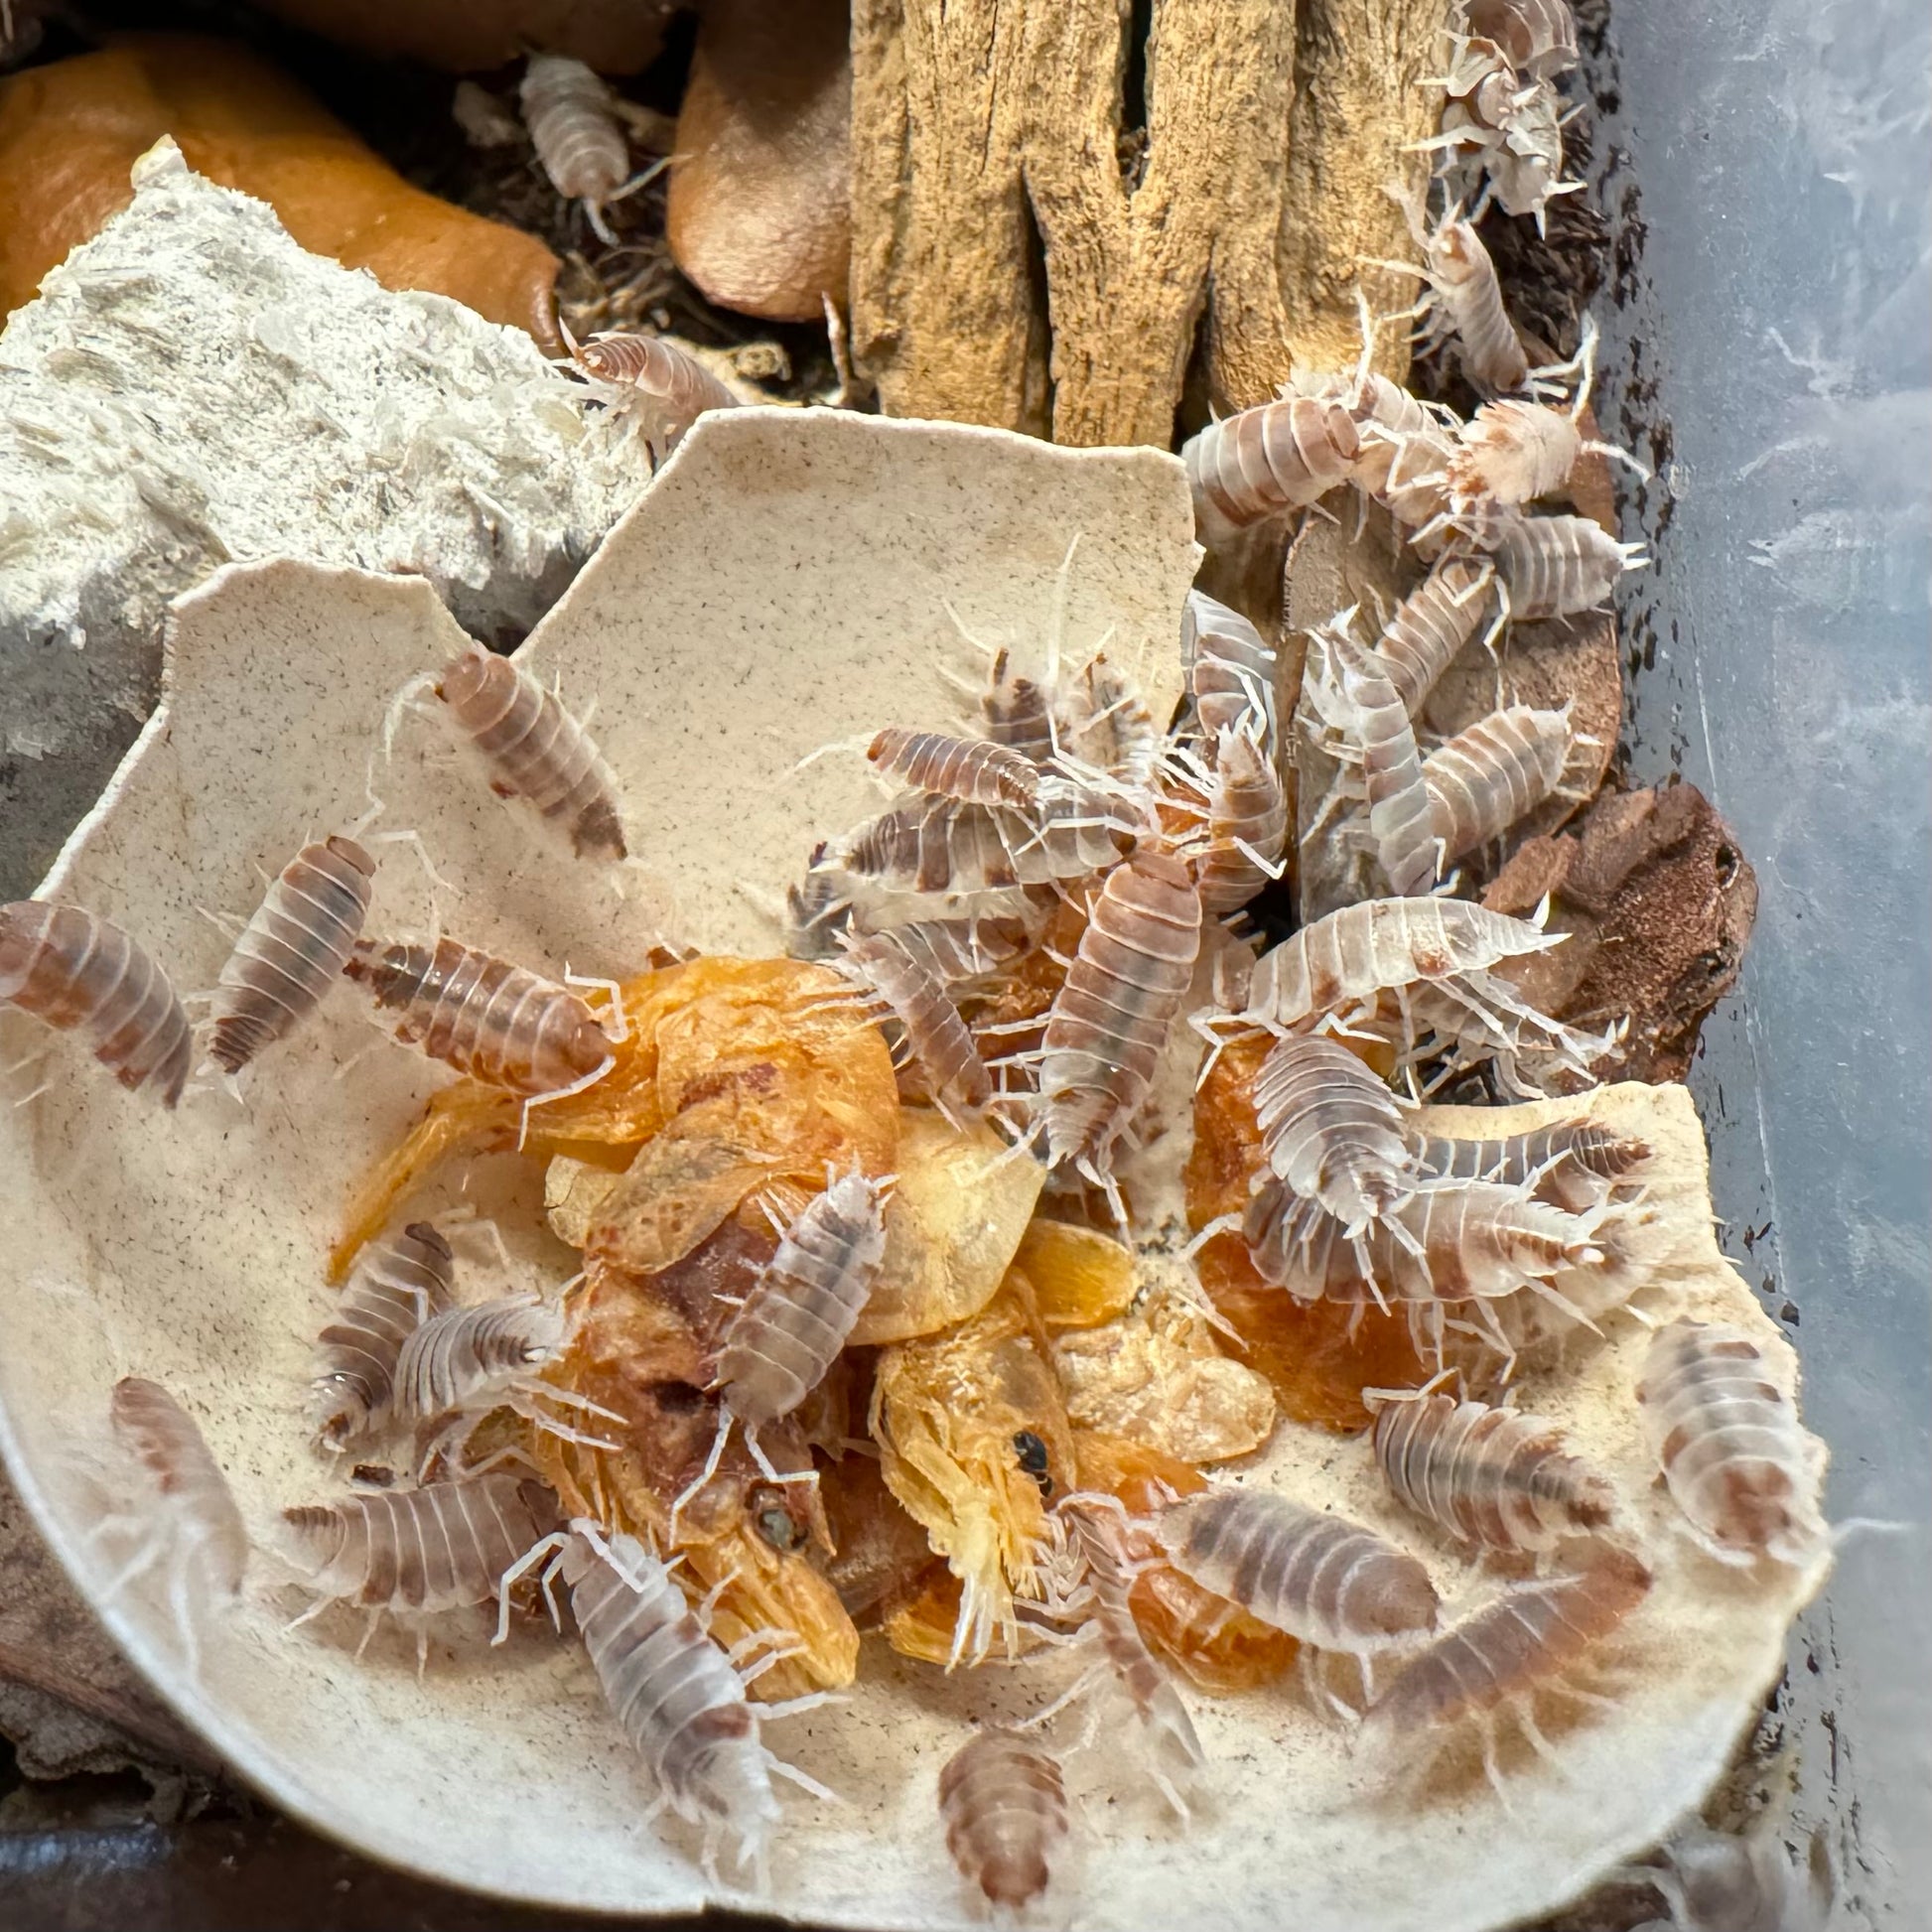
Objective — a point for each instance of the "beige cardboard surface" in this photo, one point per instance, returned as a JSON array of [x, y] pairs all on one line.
[[190, 1249]]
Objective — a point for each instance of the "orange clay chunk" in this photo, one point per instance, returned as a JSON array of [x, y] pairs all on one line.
[[1222, 1649], [71, 131], [1318, 1355], [766, 1072]]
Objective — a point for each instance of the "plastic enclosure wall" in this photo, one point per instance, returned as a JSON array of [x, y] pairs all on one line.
[[1765, 169]]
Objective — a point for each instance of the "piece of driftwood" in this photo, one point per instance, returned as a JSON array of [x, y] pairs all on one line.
[[1010, 199]]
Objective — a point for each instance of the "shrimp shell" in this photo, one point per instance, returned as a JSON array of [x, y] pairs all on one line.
[[1511, 450], [1561, 565], [1230, 672], [1111, 1018], [460, 1357], [1528, 1638], [1490, 1476], [291, 952], [1359, 951], [420, 1552], [1247, 823], [935, 1035], [1004, 1805], [1537, 36], [1431, 626], [675, 1692], [535, 749], [493, 1021], [71, 969], [1278, 456], [1572, 1164], [1740, 1464], [398, 1285], [1487, 778], [163, 1438], [1468, 303], [574, 128], [675, 385], [1323, 1579], [1331, 1130], [796, 1317], [971, 768], [1374, 718]]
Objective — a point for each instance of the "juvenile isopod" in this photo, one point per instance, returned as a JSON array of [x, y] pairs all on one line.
[[1003, 1802], [1573, 1164], [1745, 1472], [1230, 671], [1112, 1015], [1323, 1579], [956, 951], [1430, 627], [1511, 450], [1277, 457], [914, 995], [398, 1285], [1494, 1477], [190, 1521], [668, 384], [292, 951], [676, 1694], [1247, 822], [1488, 778], [940, 845], [1536, 1637], [1016, 713], [417, 1554], [576, 133], [972, 769], [1110, 726], [72, 970], [1466, 300], [534, 749], [1333, 1131], [494, 1022], [1537, 36], [1561, 565]]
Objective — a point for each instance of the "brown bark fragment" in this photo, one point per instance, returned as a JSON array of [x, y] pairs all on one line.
[[1659, 902]]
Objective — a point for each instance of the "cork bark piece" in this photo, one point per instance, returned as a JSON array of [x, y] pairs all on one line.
[[757, 215], [70, 132]]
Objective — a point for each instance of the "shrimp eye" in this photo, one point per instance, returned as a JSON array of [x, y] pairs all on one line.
[[1031, 1452], [776, 1523]]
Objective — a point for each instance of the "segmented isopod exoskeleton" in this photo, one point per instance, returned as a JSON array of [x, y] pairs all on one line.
[[1111, 1018], [534, 749], [1466, 299], [71, 969], [494, 1022], [1473, 1017], [1275, 457], [1573, 1164], [677, 1694], [292, 951], [1004, 1805], [1109, 726], [398, 1285], [1490, 1476], [1715, 1883], [1356, 952], [575, 132], [1331, 1130], [955, 951], [1230, 672], [1016, 712], [794, 1321], [467, 1358], [972, 769], [1247, 823], [1431, 626], [420, 1553], [1487, 778], [1745, 1472], [1511, 131], [934, 1033], [1532, 1638], [1511, 450], [940, 845], [1561, 565], [1537, 36], [668, 384], [1323, 1579], [192, 1524]]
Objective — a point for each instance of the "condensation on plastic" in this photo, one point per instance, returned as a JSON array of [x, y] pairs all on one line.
[[1765, 169]]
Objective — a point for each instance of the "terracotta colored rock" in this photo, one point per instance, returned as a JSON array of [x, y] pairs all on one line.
[[69, 132], [1659, 902], [467, 36], [760, 214]]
